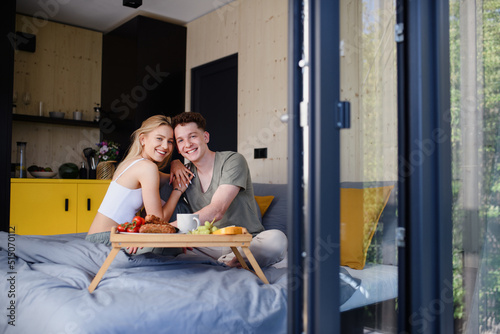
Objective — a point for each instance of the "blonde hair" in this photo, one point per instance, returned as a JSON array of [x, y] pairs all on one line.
[[147, 126]]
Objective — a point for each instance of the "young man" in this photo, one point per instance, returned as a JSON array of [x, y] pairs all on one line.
[[222, 190]]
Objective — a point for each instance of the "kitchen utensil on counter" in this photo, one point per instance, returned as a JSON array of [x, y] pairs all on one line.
[[89, 154], [93, 168], [83, 171], [21, 160]]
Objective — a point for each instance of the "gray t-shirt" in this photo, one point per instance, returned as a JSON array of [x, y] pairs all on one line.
[[229, 168]]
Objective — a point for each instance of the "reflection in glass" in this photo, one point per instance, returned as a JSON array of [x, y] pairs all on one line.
[[369, 163]]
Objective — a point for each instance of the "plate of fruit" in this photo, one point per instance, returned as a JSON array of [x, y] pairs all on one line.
[[41, 172]]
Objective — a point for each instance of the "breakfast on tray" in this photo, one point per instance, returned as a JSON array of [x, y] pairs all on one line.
[[153, 224], [210, 228], [230, 230], [157, 228], [207, 228], [150, 224]]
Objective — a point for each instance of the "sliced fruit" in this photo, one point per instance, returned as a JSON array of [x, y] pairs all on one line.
[[229, 230]]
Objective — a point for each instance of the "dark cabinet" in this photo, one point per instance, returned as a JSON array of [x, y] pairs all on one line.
[[143, 74]]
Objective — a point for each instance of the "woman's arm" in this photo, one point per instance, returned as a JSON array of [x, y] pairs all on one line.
[[175, 195], [149, 178]]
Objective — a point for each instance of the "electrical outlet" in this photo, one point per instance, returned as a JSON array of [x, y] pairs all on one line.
[[260, 153]]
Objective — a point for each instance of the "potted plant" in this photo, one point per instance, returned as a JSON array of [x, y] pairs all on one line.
[[107, 153]]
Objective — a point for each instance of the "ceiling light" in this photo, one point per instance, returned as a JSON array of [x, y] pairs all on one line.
[[132, 3]]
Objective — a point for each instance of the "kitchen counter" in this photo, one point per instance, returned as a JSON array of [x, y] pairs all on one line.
[[54, 180]]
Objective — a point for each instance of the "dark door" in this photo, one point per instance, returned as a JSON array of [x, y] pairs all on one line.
[[214, 94]]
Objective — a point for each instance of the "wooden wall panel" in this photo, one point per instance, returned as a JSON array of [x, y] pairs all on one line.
[[209, 38], [258, 31], [262, 85], [65, 74]]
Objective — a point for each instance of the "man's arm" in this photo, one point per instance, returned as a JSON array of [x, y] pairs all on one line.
[[221, 200]]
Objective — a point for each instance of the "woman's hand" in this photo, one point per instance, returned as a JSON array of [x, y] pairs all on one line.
[[178, 185], [133, 250], [180, 174]]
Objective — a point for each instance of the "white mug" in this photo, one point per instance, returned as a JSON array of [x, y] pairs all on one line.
[[77, 115], [187, 222]]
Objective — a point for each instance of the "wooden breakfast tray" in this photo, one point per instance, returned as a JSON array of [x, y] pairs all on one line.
[[119, 240]]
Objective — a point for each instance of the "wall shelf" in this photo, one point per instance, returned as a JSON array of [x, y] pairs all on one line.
[[50, 120]]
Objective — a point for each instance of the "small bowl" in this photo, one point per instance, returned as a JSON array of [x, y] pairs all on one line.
[[57, 114], [43, 175]]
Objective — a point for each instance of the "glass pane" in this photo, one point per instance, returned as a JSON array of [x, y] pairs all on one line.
[[369, 163], [475, 102]]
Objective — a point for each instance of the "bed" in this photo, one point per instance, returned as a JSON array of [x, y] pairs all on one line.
[[46, 280], [50, 275], [379, 277]]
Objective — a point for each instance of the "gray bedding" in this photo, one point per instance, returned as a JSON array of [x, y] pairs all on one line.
[[44, 290], [146, 293]]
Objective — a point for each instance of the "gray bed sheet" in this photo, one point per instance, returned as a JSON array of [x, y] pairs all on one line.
[[48, 276], [45, 280]]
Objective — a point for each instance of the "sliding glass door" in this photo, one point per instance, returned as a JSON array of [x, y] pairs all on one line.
[[371, 179], [344, 174], [369, 164]]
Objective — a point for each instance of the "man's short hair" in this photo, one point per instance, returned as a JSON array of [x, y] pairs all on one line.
[[189, 117]]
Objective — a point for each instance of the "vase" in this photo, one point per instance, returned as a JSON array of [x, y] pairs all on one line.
[[105, 170]]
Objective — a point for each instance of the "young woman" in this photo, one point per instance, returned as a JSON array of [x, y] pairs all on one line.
[[137, 180]]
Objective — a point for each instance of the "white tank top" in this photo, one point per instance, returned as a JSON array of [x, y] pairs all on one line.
[[121, 203]]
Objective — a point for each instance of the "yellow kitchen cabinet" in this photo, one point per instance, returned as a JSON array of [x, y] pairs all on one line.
[[54, 206], [90, 197]]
